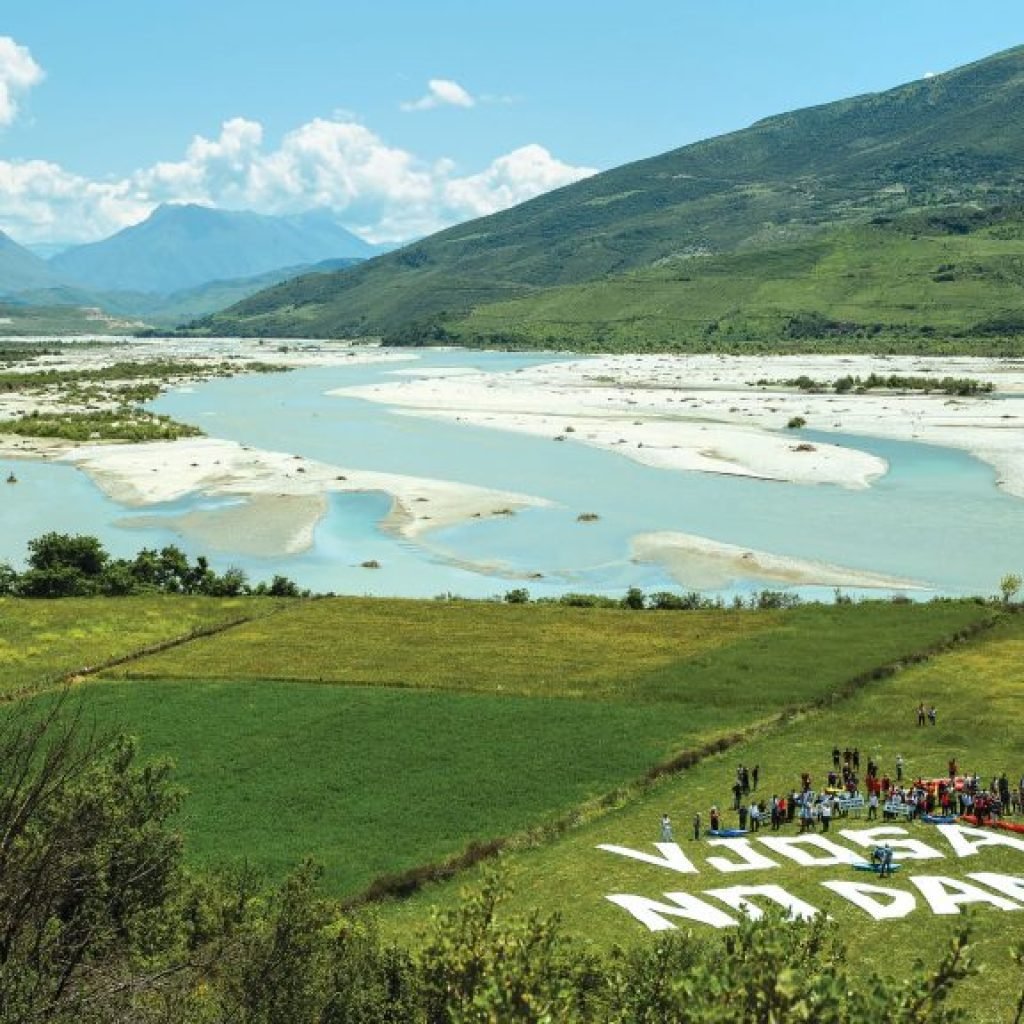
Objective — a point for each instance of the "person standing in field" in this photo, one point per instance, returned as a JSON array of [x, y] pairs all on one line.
[[696, 827], [899, 767], [666, 829]]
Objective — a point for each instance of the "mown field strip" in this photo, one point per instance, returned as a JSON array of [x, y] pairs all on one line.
[[43, 643]]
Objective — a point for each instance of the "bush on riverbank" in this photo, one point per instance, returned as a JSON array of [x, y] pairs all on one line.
[[62, 565]]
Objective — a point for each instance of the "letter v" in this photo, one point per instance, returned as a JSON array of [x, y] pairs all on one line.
[[672, 857]]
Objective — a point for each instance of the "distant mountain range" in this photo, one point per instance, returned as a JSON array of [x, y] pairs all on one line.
[[751, 236], [183, 261], [180, 247], [21, 269]]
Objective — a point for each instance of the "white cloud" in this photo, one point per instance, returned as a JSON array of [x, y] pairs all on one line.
[[18, 73], [40, 201], [520, 175], [383, 192], [441, 92]]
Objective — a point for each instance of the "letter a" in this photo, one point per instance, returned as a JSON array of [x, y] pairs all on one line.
[[968, 841], [1008, 885], [945, 895], [864, 895]]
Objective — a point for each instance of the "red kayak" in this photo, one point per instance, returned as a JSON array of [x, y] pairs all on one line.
[[1009, 826]]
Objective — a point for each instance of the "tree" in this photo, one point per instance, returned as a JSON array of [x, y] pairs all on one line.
[[62, 565], [1010, 586], [8, 579], [85, 555], [88, 866], [478, 968]]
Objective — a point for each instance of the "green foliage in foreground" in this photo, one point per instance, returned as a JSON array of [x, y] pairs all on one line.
[[103, 924]]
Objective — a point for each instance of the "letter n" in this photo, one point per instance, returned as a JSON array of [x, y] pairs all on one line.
[[655, 915]]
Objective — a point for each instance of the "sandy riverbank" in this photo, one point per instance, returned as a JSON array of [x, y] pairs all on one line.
[[281, 497], [702, 564], [709, 413]]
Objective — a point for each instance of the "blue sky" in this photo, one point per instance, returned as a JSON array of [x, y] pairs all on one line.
[[329, 103]]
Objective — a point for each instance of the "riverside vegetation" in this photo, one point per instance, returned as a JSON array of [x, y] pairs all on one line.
[[103, 403]]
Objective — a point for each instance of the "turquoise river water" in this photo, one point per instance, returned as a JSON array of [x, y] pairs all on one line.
[[936, 517]]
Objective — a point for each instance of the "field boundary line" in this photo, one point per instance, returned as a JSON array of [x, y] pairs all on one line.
[[404, 884], [66, 679]]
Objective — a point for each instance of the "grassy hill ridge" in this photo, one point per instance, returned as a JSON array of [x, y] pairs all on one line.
[[949, 140]]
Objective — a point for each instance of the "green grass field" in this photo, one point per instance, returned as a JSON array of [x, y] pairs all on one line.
[[376, 781], [42, 642], [755, 662], [384, 736], [469, 721], [979, 692]]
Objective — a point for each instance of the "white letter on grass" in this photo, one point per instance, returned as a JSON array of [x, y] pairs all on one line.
[[671, 857], [968, 841], [864, 895], [736, 897], [750, 859], [905, 849], [654, 914], [790, 846], [1008, 885], [947, 895]]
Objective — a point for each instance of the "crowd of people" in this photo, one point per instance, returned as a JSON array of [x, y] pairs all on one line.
[[843, 790]]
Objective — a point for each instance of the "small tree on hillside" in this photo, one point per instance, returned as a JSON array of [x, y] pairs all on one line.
[[1010, 586]]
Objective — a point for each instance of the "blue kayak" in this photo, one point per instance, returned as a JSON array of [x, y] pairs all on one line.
[[726, 833], [938, 819], [864, 865]]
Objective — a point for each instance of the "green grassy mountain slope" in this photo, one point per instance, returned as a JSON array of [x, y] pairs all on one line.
[[786, 181], [920, 283]]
